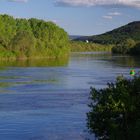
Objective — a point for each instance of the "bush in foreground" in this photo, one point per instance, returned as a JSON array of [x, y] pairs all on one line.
[[115, 111]]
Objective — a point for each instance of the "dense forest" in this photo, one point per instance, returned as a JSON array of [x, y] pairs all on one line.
[[31, 38], [125, 39], [128, 46]]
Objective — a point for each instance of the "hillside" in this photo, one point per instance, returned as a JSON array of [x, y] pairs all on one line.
[[131, 30]]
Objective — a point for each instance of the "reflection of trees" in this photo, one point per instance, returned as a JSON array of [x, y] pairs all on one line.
[[4, 84], [95, 55], [28, 63], [131, 61], [34, 63]]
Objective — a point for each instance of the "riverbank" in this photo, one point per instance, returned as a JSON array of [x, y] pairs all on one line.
[[78, 46]]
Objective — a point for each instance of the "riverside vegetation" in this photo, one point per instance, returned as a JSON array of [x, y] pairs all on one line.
[[34, 38], [114, 113], [79, 46], [128, 46], [125, 39], [31, 38]]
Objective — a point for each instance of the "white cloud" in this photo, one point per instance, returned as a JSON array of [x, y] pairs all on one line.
[[114, 14], [132, 3], [107, 17]]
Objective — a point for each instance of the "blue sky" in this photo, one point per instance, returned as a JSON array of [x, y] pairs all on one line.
[[77, 17]]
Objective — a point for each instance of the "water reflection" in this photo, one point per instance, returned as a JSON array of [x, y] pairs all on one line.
[[120, 60], [8, 80], [47, 99], [35, 63], [95, 55], [126, 61]]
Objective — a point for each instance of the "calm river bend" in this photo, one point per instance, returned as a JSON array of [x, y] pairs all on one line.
[[47, 99]]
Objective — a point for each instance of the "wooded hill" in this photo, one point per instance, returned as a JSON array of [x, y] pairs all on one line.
[[124, 40], [131, 30]]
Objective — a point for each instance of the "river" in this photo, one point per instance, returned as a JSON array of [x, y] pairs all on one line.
[[47, 99]]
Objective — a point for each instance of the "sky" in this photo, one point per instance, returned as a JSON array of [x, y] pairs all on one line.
[[77, 17]]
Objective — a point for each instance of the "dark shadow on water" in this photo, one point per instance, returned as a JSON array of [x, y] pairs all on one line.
[[126, 60]]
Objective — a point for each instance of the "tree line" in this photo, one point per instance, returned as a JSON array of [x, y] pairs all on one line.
[[79, 46], [24, 38], [128, 46], [125, 39]]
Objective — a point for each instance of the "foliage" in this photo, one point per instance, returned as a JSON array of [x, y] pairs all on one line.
[[83, 46], [124, 47], [7, 29], [23, 44], [123, 39], [25, 38], [128, 46], [135, 50], [114, 111], [5, 54]]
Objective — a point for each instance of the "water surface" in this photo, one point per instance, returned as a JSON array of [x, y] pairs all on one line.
[[47, 99]]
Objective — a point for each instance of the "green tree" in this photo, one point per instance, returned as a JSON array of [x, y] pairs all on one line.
[[7, 29], [114, 113], [135, 50], [23, 44], [124, 46], [23, 25], [31, 38]]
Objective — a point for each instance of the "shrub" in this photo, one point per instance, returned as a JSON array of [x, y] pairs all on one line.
[[114, 111]]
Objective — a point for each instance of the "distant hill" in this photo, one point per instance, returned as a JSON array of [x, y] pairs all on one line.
[[72, 37], [131, 30]]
